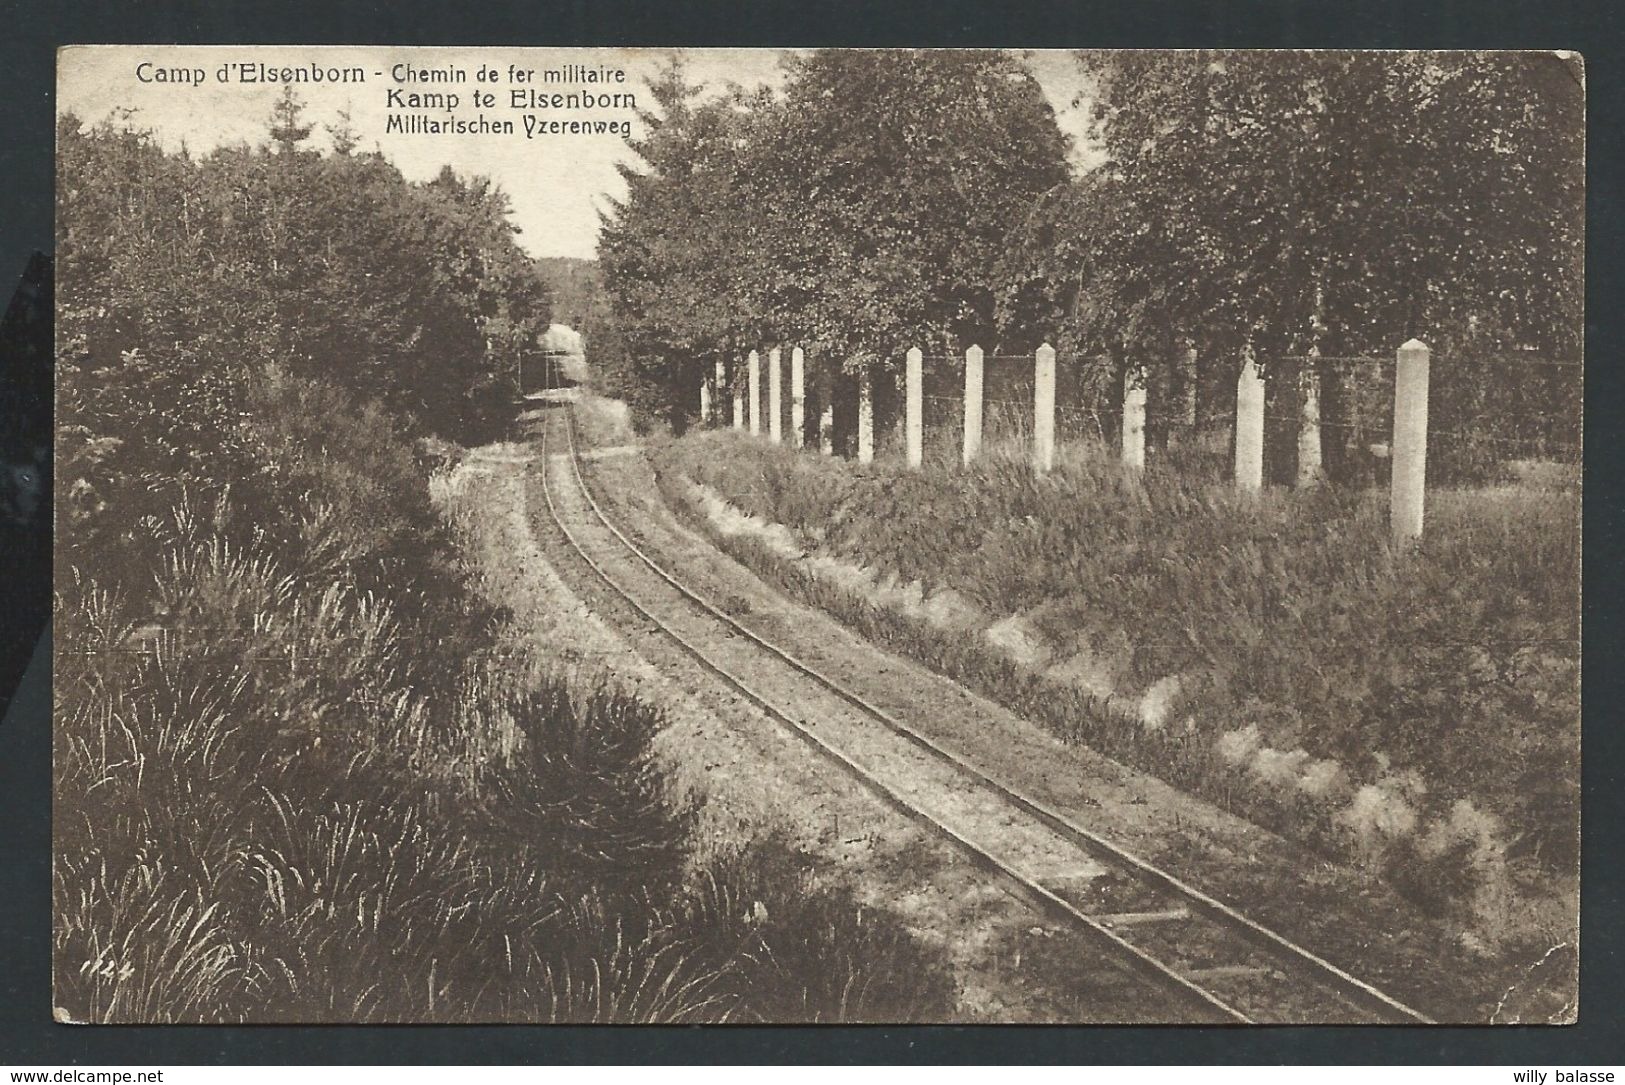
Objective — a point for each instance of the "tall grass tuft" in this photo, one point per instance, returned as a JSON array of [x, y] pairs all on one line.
[[586, 785]]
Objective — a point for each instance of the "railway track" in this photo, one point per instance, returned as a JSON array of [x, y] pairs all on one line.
[[1216, 962]]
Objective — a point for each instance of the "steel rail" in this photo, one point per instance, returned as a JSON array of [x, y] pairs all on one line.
[[1342, 982], [1031, 890]]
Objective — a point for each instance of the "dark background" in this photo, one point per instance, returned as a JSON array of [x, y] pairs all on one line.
[[27, 76]]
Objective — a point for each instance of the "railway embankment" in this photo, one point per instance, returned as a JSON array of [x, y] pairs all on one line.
[[1362, 797]]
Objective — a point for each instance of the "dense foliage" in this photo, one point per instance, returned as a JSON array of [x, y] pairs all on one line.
[[575, 287], [854, 213], [1346, 200], [183, 281], [1418, 711], [1334, 202], [291, 784]]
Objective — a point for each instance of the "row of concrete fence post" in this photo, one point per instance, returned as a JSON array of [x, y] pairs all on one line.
[[1408, 449]]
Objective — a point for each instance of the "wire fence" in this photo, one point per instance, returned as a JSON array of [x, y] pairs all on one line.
[[1486, 416], [1490, 416]]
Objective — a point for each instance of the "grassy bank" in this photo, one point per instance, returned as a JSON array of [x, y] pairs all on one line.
[[1417, 712], [299, 778]]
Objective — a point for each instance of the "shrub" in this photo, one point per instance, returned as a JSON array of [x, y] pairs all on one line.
[[805, 950]]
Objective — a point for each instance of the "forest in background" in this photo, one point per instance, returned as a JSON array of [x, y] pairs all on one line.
[[576, 290]]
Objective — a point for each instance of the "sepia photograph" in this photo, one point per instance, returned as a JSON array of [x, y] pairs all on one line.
[[816, 536]]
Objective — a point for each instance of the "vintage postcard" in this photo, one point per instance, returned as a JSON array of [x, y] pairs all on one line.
[[780, 536]]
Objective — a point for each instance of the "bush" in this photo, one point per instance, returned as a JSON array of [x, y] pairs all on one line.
[[804, 950], [585, 787]]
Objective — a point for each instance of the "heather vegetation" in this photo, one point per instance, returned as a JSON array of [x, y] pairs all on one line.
[[300, 773], [1415, 712]]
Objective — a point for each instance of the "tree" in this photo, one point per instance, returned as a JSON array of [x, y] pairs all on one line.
[[343, 134], [286, 131], [856, 213], [1329, 202], [576, 288], [673, 252], [1341, 199], [186, 282], [892, 181]]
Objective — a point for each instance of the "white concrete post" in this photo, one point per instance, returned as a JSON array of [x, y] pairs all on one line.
[[1309, 420], [1044, 409], [1250, 426], [973, 405], [1410, 448], [1134, 416], [866, 417], [705, 399], [721, 386], [755, 363], [739, 408], [826, 409], [798, 397], [914, 407], [775, 431]]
